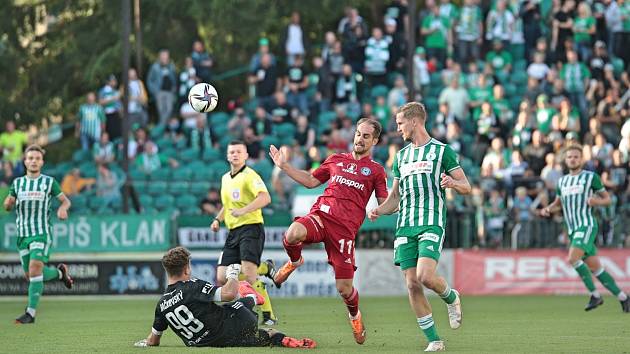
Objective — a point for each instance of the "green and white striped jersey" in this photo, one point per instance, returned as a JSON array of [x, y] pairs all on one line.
[[33, 203], [91, 117], [574, 191], [422, 200]]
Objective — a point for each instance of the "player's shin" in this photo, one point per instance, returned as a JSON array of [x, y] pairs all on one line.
[[35, 289], [266, 308], [352, 302], [428, 327], [293, 250], [51, 273], [585, 274], [609, 283]]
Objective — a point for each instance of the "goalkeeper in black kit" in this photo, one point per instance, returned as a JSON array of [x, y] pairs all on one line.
[[204, 315]]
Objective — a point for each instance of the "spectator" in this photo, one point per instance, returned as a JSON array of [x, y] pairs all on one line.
[[397, 47], [567, 119], [552, 171], [294, 39], [594, 128], [538, 69], [73, 183], [150, 161], [346, 130], [187, 79], [608, 116], [495, 215], [329, 41], [544, 115], [487, 124], [162, 83], [263, 49], [442, 119], [456, 98], [354, 49], [297, 82], [350, 22], [324, 79], [376, 58], [12, 144], [200, 138], [265, 77], [382, 111], [190, 116], [137, 143], [336, 143], [262, 124], [397, 11], [535, 153], [522, 132], [522, 214], [252, 143], [211, 203], [7, 175], [615, 179], [614, 26], [599, 59], [500, 60], [479, 93], [283, 185], [529, 12], [421, 74], [108, 186], [557, 94], [495, 160], [583, 30], [304, 133], [137, 101], [576, 77], [562, 28], [336, 60], [174, 131], [533, 90], [469, 32], [103, 151], [237, 125], [346, 88], [436, 32], [398, 94], [281, 110], [91, 121], [202, 63], [500, 24], [109, 98], [602, 150]]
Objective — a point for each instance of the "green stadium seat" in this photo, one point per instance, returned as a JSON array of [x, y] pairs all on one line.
[[210, 154], [515, 103], [219, 130], [81, 156], [79, 202], [220, 167], [137, 175], [178, 187], [284, 130], [519, 77], [164, 143], [264, 169], [520, 66], [185, 200], [204, 174], [181, 144], [162, 174], [219, 118], [432, 104], [149, 210], [156, 187], [188, 155], [157, 131], [379, 91], [182, 173], [436, 78], [510, 90], [618, 66], [268, 141], [170, 152], [190, 210], [200, 187], [164, 202], [146, 200]]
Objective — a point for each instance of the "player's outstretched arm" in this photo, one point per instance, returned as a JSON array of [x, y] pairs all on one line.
[[62, 212], [457, 180], [302, 177], [9, 202], [389, 205]]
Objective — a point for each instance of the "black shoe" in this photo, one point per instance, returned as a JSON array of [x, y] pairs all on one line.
[[65, 276], [267, 320], [271, 269], [26, 318], [625, 305], [593, 303]]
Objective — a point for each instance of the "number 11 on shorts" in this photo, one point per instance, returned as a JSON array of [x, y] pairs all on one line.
[[346, 242]]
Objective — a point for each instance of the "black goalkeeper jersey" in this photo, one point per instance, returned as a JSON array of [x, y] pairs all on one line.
[[187, 307]]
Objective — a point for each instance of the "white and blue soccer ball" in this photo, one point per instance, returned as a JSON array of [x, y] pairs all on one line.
[[203, 97]]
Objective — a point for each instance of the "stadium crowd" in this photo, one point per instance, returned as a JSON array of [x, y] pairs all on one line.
[[506, 83]]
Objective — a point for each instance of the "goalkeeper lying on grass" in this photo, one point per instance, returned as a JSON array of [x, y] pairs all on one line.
[[192, 308]]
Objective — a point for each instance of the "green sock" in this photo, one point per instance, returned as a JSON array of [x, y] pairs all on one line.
[[448, 295], [35, 290], [585, 274], [428, 327], [51, 273], [607, 281]]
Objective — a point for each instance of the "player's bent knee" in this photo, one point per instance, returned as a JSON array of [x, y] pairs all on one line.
[[426, 280], [296, 233]]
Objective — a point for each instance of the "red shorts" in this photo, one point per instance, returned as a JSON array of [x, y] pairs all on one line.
[[338, 242]]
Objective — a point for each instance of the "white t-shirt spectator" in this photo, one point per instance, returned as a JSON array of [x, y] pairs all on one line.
[[537, 70]]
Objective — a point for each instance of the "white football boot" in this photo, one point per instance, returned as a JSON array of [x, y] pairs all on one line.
[[455, 312], [436, 346]]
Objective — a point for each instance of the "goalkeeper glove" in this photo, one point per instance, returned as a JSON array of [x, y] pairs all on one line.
[[233, 270]]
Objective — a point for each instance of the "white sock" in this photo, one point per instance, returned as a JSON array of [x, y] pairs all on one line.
[[31, 311], [60, 274], [596, 293], [622, 296]]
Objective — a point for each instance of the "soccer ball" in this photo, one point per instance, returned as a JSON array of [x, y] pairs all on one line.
[[203, 98]]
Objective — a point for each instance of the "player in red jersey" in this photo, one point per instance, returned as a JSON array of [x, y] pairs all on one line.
[[337, 215]]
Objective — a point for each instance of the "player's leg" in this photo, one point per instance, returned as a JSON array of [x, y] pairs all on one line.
[[607, 281], [350, 297], [268, 336], [302, 230], [252, 243], [420, 306], [579, 247], [429, 251], [229, 255]]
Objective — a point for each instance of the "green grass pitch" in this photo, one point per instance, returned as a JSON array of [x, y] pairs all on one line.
[[517, 324]]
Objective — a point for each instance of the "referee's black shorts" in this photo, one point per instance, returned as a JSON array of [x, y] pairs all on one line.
[[244, 243]]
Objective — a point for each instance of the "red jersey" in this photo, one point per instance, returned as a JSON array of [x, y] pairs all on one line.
[[350, 185]]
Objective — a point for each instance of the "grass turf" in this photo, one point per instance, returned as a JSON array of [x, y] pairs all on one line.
[[519, 324]]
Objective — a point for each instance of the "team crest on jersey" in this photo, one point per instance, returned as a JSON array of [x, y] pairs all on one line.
[[236, 194], [366, 171], [352, 168], [431, 156]]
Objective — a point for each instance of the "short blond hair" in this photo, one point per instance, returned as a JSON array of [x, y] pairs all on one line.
[[575, 147], [414, 110], [35, 147]]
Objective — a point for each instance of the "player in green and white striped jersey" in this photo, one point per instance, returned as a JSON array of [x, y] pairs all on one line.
[[577, 193], [422, 171], [32, 197]]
